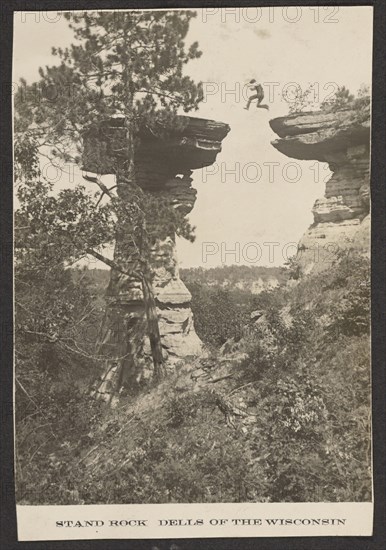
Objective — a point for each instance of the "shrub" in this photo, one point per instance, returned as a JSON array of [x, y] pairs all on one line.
[[218, 313]]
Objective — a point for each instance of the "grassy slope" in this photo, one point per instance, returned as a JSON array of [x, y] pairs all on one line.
[[301, 374]]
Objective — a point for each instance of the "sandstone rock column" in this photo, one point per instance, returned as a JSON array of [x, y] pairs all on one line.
[[164, 168]]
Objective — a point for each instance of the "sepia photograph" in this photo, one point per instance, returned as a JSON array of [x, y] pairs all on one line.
[[192, 270]]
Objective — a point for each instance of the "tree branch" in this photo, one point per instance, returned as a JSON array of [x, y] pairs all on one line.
[[114, 265]]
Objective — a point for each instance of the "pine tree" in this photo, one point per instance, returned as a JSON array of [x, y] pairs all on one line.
[[129, 64]]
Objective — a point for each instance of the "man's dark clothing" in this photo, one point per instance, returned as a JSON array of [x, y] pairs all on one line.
[[259, 95]]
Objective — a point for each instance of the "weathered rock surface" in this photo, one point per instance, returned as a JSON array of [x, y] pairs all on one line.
[[341, 217], [163, 167]]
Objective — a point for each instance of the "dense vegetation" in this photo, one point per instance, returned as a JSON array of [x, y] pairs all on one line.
[[302, 369], [223, 297], [129, 65], [296, 357]]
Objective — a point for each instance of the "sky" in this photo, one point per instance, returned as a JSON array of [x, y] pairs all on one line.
[[253, 195]]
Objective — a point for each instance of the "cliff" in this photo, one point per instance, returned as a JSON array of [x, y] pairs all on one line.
[[341, 217]]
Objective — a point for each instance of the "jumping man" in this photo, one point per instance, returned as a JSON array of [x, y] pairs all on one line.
[[259, 93]]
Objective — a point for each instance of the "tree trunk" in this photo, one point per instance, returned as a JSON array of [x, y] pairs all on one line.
[[126, 323], [153, 329]]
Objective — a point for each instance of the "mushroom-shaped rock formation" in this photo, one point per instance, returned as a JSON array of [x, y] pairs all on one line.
[[163, 166], [341, 217]]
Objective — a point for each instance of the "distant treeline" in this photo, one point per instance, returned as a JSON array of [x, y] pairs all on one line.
[[252, 278], [244, 277]]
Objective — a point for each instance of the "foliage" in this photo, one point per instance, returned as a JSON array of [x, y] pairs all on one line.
[[293, 268], [359, 105], [350, 317], [305, 375], [243, 277], [313, 383], [127, 64], [302, 100], [341, 99], [57, 315], [123, 63], [223, 298], [218, 313], [52, 229], [306, 360], [55, 332]]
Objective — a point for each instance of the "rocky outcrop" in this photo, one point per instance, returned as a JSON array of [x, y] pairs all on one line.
[[341, 217], [163, 166]]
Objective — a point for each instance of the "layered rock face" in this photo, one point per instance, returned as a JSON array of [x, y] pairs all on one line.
[[163, 167], [341, 217]]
